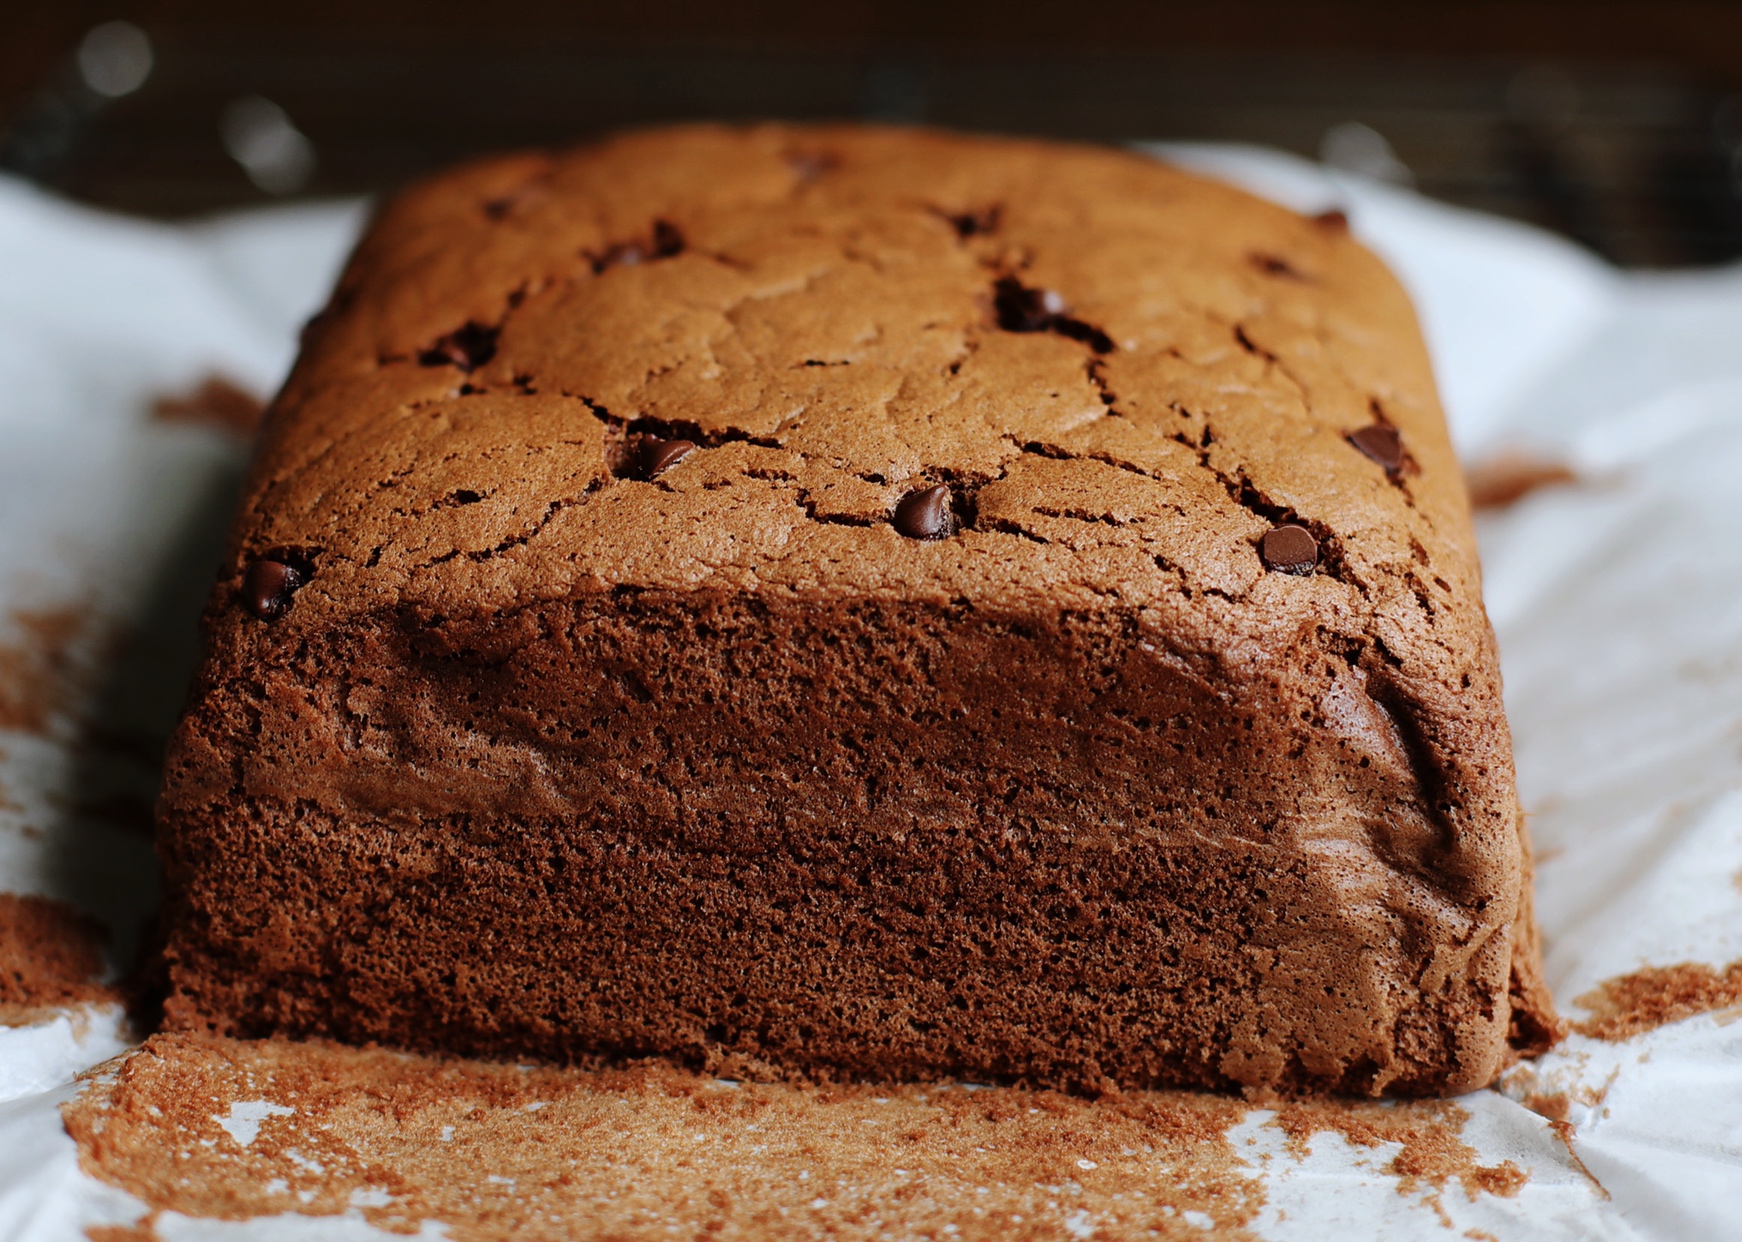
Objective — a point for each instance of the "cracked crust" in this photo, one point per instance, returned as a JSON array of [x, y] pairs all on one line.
[[1079, 794]]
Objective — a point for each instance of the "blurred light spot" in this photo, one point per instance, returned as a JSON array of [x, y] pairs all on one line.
[[1357, 148], [115, 59], [276, 155]]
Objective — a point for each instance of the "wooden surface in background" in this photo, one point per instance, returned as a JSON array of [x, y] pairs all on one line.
[[1646, 169], [1702, 36]]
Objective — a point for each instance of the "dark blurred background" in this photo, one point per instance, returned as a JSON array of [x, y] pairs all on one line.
[[1618, 124]]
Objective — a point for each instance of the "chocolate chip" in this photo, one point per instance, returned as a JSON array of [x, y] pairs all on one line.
[[1289, 549], [1022, 309], [925, 514], [1381, 444], [467, 347], [654, 455], [272, 578], [1335, 220], [972, 223], [667, 241]]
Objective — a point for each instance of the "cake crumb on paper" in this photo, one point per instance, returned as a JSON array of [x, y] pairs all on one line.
[[404, 1139], [37, 668], [648, 1149], [1655, 996], [50, 958], [139, 1231], [1433, 1153], [1503, 481], [217, 402]]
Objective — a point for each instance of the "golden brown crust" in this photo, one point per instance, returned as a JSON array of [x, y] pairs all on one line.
[[1089, 761]]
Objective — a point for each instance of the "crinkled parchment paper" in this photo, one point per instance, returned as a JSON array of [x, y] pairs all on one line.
[[1618, 601]]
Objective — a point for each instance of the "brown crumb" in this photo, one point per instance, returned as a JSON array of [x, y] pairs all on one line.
[[50, 958], [36, 670], [218, 402], [497, 1151], [1549, 1105], [1655, 996], [1510, 477], [1428, 1131], [140, 1231]]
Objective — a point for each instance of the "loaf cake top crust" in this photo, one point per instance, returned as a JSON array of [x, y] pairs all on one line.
[[1125, 374]]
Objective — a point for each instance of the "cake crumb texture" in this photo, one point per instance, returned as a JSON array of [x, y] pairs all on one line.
[[218, 1128]]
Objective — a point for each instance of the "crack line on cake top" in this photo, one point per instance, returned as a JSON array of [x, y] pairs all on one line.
[[511, 542]]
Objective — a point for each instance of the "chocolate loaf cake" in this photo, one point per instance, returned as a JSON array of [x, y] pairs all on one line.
[[858, 603]]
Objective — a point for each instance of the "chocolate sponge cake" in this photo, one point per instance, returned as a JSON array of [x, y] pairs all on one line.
[[859, 604]]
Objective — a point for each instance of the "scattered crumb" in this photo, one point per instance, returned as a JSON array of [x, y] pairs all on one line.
[[1525, 1084], [36, 669], [647, 1150], [1428, 1130], [1510, 477], [1655, 996], [218, 403], [140, 1231], [50, 957], [1549, 1105]]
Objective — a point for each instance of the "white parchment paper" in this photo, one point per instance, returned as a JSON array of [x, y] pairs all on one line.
[[1618, 603]]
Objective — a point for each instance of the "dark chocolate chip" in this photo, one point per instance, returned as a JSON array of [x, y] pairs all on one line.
[[1381, 444], [269, 584], [667, 241], [925, 514], [971, 223], [1022, 309], [1336, 220], [654, 455], [467, 347], [1289, 549]]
